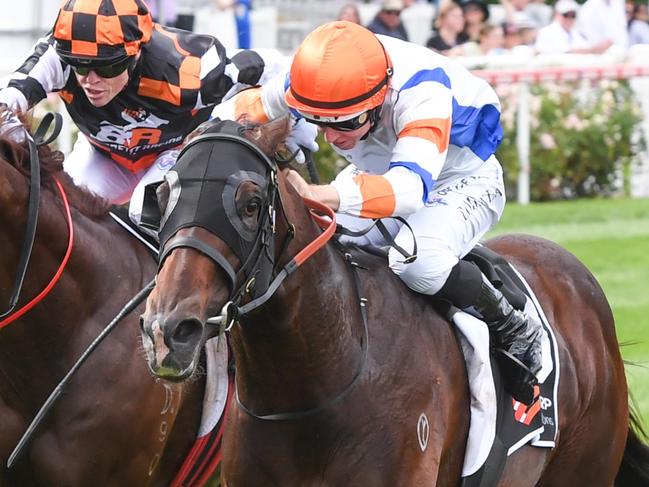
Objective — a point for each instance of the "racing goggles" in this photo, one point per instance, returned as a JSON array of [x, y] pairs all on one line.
[[348, 125], [106, 71]]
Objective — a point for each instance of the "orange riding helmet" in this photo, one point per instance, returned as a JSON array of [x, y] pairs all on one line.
[[99, 32], [339, 71]]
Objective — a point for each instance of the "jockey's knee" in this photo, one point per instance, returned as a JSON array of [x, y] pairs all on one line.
[[428, 273]]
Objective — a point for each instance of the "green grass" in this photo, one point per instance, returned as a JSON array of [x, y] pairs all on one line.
[[610, 236]]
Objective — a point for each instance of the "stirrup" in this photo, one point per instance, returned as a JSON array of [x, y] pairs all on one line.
[[518, 379]]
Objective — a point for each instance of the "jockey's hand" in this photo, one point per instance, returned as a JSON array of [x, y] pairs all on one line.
[[324, 193], [302, 134], [10, 126]]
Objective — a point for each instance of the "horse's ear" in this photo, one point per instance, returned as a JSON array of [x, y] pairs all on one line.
[[276, 133], [268, 136]]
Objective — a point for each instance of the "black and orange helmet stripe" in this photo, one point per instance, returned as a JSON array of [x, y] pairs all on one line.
[[343, 103]]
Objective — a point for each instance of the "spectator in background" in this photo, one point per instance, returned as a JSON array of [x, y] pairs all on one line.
[[449, 35], [349, 13], [476, 14], [520, 26], [540, 12], [562, 37], [602, 20], [638, 29], [218, 18], [491, 41], [520, 36], [528, 30], [512, 36], [388, 20], [520, 11]]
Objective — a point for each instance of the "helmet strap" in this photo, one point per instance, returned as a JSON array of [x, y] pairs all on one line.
[[133, 65], [375, 117]]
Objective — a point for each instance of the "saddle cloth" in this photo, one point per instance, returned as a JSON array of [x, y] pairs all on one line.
[[205, 456], [500, 425]]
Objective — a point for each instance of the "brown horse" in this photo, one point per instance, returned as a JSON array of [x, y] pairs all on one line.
[[336, 361], [114, 424]]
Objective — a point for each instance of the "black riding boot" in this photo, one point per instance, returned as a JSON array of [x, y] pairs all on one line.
[[517, 338]]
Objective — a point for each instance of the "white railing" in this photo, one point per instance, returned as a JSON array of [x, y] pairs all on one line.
[[633, 65]]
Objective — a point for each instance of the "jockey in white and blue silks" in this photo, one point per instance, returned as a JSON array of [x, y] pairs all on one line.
[[419, 132]]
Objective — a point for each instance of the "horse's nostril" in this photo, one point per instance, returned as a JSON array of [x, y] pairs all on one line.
[[141, 324], [187, 330]]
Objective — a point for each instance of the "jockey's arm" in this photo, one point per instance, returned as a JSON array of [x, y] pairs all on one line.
[[324, 193], [257, 104], [40, 74], [263, 103], [422, 122]]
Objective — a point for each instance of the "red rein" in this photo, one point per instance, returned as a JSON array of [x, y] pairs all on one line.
[[27, 307], [327, 223]]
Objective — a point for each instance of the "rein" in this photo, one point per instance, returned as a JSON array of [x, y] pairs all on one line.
[[57, 275], [230, 312], [292, 415], [32, 219], [134, 302]]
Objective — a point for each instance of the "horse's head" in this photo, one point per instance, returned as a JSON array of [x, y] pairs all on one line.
[[218, 207]]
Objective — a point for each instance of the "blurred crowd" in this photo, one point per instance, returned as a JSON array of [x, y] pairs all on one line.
[[464, 28]]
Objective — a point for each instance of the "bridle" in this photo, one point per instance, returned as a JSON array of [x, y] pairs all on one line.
[[242, 281], [32, 219], [235, 308]]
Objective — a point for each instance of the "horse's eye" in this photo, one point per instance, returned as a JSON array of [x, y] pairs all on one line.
[[252, 208]]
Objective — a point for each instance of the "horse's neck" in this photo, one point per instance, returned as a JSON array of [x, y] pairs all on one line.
[[306, 342], [103, 272]]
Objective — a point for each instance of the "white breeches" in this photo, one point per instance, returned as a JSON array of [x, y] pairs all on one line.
[[107, 179], [459, 213]]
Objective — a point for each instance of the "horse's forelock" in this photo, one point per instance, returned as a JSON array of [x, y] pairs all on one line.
[[269, 136]]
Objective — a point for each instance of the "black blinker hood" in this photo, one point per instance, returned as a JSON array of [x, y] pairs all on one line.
[[203, 185]]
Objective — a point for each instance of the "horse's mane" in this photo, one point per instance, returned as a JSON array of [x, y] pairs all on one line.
[[51, 163], [269, 137]]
